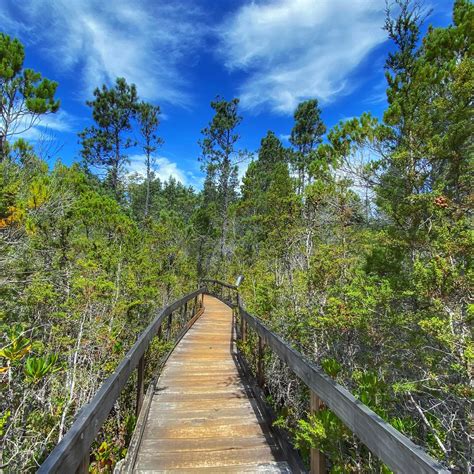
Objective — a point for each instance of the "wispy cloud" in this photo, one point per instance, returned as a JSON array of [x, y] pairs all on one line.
[[146, 42], [295, 49], [45, 127], [61, 121], [378, 95], [163, 169], [8, 22]]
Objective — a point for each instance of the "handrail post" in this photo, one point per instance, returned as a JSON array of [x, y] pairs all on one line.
[[260, 370], [168, 329], [238, 315], [185, 309], [140, 384], [195, 309], [243, 328], [318, 460]]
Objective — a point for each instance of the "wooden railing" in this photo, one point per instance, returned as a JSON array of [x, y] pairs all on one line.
[[72, 453], [224, 291], [392, 447]]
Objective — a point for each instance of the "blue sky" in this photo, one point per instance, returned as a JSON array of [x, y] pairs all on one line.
[[182, 53]]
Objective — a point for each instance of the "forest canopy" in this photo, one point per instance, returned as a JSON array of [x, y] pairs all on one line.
[[355, 241]]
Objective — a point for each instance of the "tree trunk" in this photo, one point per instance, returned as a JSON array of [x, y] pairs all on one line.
[[148, 176]]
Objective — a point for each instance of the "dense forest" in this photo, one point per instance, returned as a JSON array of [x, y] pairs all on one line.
[[355, 242]]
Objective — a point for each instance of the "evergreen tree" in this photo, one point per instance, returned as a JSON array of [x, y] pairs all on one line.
[[148, 117], [271, 153], [305, 136], [25, 94], [104, 144], [268, 205], [219, 154]]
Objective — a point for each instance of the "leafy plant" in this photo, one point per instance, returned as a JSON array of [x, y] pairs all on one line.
[[17, 347], [38, 367]]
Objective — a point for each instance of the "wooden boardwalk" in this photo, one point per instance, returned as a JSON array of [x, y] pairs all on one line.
[[202, 416]]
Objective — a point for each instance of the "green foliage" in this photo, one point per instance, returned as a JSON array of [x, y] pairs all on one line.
[[103, 144], [311, 433], [38, 367], [305, 136], [24, 92], [331, 367], [364, 265], [17, 345]]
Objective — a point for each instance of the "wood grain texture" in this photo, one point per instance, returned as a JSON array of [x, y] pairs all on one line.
[[318, 460], [202, 414]]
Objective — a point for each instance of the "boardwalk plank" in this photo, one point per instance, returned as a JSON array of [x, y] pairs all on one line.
[[202, 415], [264, 467]]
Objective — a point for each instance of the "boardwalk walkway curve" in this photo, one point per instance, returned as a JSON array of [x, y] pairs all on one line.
[[206, 414]]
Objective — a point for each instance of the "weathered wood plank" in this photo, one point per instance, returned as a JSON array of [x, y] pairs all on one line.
[[201, 397], [211, 458], [199, 413], [199, 444], [318, 460], [261, 467], [140, 384]]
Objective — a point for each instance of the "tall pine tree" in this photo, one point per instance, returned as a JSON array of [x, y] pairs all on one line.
[[219, 155], [305, 136], [24, 94], [104, 144]]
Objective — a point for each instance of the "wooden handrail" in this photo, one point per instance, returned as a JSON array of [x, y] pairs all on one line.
[[391, 446], [397, 451], [218, 282], [70, 452]]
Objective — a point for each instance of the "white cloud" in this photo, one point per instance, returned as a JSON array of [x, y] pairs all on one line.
[[9, 24], [61, 121], [295, 49], [143, 41], [44, 128], [196, 181], [163, 168]]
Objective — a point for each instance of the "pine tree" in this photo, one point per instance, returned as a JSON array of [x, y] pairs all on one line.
[[219, 154], [25, 94], [305, 136], [148, 117], [104, 144], [268, 206]]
